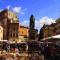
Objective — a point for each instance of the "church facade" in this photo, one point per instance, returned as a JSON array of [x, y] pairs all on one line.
[[10, 24]]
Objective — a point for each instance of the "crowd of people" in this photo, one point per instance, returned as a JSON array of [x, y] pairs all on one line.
[[9, 57]]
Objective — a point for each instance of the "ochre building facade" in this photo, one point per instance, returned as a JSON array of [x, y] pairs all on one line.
[[23, 31]]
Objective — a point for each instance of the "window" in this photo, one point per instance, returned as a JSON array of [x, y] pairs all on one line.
[[16, 34], [22, 32], [11, 35]]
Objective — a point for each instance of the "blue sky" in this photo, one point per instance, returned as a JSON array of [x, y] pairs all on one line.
[[48, 9]]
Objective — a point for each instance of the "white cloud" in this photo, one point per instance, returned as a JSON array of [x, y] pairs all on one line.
[[8, 7], [1, 10], [39, 23], [44, 20], [25, 23], [17, 9]]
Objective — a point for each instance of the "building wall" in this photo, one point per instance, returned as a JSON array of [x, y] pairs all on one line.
[[13, 31], [46, 31], [9, 21], [1, 33], [50, 30], [23, 31], [3, 23], [57, 28]]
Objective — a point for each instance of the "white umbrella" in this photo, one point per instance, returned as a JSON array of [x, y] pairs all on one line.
[[46, 38], [56, 36]]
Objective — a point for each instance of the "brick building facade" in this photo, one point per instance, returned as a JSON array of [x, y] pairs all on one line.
[[50, 30]]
